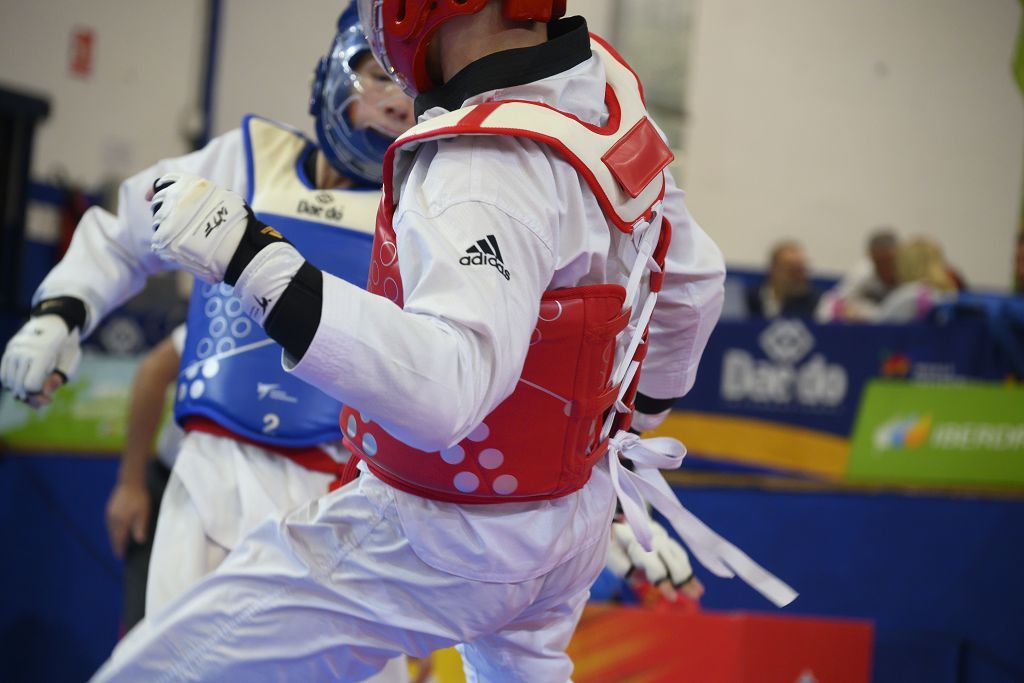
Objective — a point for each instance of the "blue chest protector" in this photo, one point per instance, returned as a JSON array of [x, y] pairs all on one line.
[[231, 371]]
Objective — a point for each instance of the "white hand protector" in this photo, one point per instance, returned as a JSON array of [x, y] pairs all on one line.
[[42, 346], [197, 224], [642, 422], [667, 559]]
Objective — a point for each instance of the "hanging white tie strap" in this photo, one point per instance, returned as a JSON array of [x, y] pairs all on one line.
[[645, 235], [647, 485], [637, 335]]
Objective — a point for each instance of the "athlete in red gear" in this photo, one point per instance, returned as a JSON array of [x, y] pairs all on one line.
[[534, 158]]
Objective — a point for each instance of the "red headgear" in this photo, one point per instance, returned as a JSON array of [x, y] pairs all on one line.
[[400, 30]]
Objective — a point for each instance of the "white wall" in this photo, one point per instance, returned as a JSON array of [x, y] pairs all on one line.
[[600, 14], [267, 53], [143, 95], [818, 119], [822, 119], [143, 89]]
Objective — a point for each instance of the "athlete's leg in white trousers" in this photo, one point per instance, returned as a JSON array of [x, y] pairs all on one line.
[[182, 552], [219, 490], [335, 591], [533, 645]]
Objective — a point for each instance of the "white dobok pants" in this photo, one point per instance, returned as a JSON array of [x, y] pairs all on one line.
[[335, 590], [219, 490]]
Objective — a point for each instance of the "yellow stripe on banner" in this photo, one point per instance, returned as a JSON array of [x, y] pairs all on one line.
[[759, 443]]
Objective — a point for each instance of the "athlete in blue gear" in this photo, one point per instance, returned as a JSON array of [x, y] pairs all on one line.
[[259, 442]]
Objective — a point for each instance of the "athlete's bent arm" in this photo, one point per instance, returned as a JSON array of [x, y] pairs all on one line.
[[110, 257], [453, 353], [455, 350], [107, 262]]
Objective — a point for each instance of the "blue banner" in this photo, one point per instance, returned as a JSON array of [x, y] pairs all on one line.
[[799, 373], [783, 394]]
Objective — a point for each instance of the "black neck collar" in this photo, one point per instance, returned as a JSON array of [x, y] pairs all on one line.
[[568, 45]]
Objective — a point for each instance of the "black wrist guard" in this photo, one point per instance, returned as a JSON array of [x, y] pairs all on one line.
[[71, 310], [257, 235], [296, 316], [652, 406]]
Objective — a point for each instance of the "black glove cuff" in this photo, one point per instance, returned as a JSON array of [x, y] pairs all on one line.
[[257, 235], [71, 310], [653, 406]]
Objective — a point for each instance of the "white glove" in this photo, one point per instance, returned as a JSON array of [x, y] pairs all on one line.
[[197, 224], [667, 559], [42, 346], [643, 422]]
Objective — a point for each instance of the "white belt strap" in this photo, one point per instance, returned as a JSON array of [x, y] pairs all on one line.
[[645, 237], [646, 484]]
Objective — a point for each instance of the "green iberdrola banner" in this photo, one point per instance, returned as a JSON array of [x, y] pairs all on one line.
[[87, 415], [920, 433]]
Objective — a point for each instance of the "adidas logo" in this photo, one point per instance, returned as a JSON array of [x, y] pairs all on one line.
[[486, 253]]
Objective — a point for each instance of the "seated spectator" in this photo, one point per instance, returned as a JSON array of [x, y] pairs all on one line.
[[857, 296], [786, 291], [924, 280]]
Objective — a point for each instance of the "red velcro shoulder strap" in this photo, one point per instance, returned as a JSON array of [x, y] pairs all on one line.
[[638, 157]]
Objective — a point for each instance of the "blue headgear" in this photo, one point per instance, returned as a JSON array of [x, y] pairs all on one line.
[[358, 153]]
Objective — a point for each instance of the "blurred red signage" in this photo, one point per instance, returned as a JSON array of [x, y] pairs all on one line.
[[80, 52]]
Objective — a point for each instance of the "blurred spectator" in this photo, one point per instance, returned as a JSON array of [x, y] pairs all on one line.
[[857, 296], [924, 280], [786, 291]]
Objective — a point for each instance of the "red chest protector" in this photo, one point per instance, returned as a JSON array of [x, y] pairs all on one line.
[[579, 377]]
